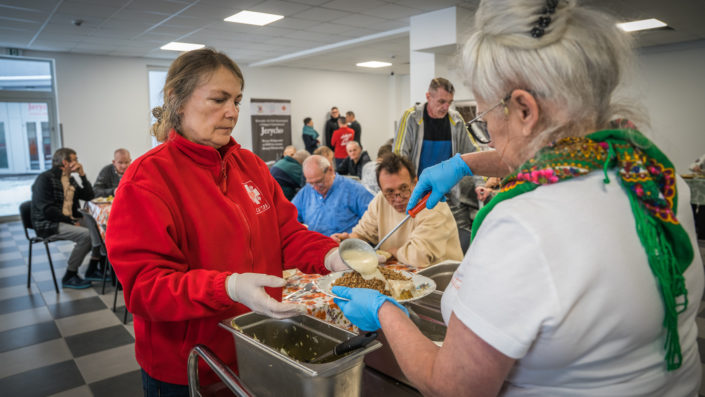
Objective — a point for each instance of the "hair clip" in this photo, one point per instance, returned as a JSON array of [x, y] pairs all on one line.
[[544, 20]]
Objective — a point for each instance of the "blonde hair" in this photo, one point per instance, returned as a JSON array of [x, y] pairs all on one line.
[[573, 67], [185, 74]]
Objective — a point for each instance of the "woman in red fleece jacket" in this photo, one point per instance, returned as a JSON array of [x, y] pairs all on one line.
[[199, 230]]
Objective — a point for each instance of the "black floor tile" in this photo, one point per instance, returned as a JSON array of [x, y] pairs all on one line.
[[12, 262], [72, 308], [98, 340], [8, 248], [29, 335], [21, 303], [120, 314], [44, 381], [13, 280], [129, 384]]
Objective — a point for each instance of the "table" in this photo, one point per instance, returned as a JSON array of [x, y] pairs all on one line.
[[319, 304], [100, 212]]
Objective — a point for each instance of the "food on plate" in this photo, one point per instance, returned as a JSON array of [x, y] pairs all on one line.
[[385, 254], [401, 286], [364, 262]]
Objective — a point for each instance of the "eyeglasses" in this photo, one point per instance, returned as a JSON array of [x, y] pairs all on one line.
[[478, 127], [403, 193]]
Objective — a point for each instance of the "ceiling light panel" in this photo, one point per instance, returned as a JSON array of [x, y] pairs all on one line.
[[373, 64], [643, 24], [178, 46], [253, 18]]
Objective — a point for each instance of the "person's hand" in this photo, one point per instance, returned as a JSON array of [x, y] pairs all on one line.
[[248, 289], [482, 193], [439, 179], [362, 306], [77, 167], [338, 237], [334, 262]]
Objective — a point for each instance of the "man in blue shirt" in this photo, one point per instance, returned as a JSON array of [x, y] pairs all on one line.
[[329, 203]]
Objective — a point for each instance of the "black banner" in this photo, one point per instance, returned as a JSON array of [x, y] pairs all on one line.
[[271, 127]]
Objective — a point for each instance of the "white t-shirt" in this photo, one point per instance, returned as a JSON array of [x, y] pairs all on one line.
[[558, 279]]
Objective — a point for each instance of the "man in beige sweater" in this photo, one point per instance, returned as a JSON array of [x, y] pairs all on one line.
[[429, 238]]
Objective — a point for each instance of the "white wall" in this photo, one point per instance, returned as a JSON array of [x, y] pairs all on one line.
[[668, 82], [104, 103], [671, 85]]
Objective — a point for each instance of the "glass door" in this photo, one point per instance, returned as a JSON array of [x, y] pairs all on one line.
[[29, 132]]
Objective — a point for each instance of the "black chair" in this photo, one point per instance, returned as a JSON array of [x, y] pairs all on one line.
[[26, 215]]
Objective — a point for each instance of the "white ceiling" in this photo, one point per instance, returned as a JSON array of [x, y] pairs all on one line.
[[139, 27]]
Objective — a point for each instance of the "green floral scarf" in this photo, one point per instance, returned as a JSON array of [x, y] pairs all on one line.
[[648, 178]]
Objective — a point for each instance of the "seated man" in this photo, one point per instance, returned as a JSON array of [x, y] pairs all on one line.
[[329, 203], [289, 174], [429, 238], [289, 151], [109, 177], [55, 196], [352, 165], [369, 170], [326, 152]]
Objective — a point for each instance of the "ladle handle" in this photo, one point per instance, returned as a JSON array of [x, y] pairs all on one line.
[[419, 206], [355, 342]]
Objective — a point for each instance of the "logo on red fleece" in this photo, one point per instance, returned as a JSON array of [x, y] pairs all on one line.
[[256, 197]]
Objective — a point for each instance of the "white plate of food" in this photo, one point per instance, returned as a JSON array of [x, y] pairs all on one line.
[[422, 285], [103, 200]]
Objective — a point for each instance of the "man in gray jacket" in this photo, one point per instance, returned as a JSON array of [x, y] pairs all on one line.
[[109, 177], [432, 132]]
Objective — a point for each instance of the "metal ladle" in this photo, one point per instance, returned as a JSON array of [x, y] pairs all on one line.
[[354, 244]]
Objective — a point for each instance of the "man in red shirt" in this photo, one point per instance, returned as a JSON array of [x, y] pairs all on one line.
[[341, 137]]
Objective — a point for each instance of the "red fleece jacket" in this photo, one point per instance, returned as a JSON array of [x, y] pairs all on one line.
[[184, 218]]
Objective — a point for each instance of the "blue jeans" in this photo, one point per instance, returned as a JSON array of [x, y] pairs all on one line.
[[157, 388]]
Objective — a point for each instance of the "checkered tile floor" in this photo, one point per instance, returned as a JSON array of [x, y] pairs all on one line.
[[72, 344]]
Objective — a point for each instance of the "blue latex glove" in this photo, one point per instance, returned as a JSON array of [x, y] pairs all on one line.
[[439, 179], [362, 307]]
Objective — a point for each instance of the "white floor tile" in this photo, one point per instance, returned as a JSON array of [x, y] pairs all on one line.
[[107, 363], [24, 317], [6, 256], [34, 356], [18, 290], [130, 328], [110, 295], [51, 297], [86, 322]]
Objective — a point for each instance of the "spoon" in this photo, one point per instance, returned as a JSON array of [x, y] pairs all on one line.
[[359, 256]]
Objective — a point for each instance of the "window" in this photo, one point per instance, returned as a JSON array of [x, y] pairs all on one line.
[[157, 78], [29, 132]]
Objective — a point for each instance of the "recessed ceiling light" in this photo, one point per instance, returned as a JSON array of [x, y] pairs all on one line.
[[641, 25], [373, 64], [30, 77], [177, 46], [253, 18]]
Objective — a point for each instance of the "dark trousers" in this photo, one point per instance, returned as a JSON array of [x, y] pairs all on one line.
[[157, 388], [699, 213]]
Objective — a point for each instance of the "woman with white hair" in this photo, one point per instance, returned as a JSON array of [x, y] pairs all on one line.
[[581, 277]]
